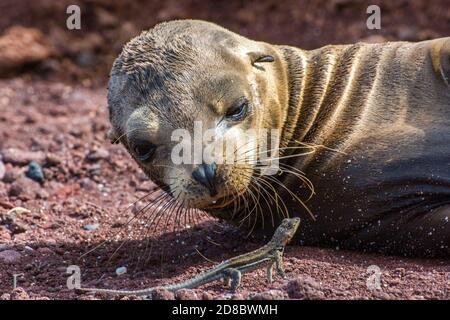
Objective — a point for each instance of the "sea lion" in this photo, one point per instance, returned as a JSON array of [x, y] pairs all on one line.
[[363, 132]]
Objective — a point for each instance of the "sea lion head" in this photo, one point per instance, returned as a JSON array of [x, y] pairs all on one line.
[[184, 76]]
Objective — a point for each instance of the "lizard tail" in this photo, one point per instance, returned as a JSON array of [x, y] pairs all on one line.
[[142, 292]]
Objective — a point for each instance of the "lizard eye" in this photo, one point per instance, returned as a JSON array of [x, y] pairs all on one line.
[[144, 150]]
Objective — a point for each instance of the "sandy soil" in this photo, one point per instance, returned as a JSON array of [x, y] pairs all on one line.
[[89, 194]]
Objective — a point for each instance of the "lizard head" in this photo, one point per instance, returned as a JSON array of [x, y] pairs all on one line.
[[286, 230]]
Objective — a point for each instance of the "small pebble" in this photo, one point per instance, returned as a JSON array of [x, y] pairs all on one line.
[[28, 248], [98, 154], [121, 270], [91, 227], [35, 172]]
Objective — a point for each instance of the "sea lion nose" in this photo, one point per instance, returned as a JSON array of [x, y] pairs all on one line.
[[205, 174]]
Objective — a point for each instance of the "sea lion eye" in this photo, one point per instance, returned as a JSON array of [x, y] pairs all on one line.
[[144, 150], [239, 111]]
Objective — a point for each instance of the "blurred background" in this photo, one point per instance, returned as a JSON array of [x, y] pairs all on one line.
[[34, 40]]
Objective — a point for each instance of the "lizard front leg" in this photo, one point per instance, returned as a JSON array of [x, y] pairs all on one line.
[[278, 256], [270, 272]]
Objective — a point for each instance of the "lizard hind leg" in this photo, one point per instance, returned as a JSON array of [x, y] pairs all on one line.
[[235, 276]]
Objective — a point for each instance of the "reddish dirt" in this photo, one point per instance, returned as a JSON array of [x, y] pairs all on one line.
[[54, 112]]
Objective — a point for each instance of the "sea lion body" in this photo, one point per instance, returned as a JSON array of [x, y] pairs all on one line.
[[386, 109], [377, 117]]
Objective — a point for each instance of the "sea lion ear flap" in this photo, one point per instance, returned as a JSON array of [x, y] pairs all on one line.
[[440, 57], [259, 57]]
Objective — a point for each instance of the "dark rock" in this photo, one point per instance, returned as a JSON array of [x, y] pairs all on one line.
[[17, 227], [35, 172]]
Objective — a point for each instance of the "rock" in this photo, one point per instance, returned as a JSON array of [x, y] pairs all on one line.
[[19, 294], [162, 294], [88, 185], [10, 256], [121, 270], [305, 288], [5, 296], [186, 294], [21, 157], [98, 154], [2, 170], [24, 188], [21, 46], [231, 296], [28, 248], [91, 227], [35, 172], [5, 235], [12, 173], [51, 242], [18, 227], [207, 296], [269, 295], [52, 160]]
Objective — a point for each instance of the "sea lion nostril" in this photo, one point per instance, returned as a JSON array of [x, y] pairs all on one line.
[[205, 174]]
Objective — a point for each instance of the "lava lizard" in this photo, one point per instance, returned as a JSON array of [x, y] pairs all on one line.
[[231, 269]]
